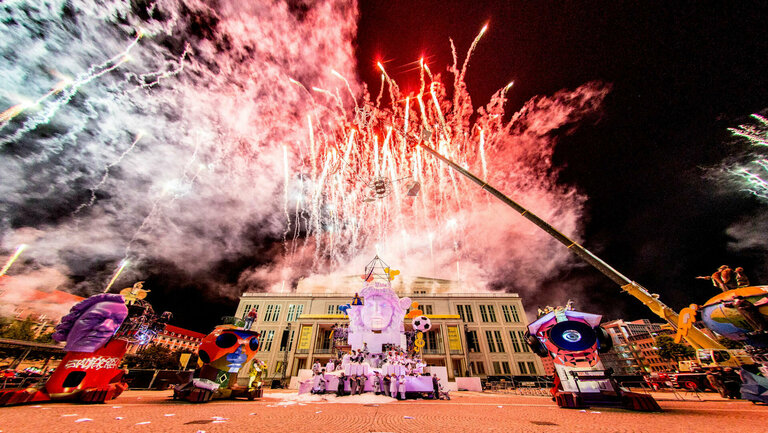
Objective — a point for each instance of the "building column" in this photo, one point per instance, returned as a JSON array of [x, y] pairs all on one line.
[[447, 348]]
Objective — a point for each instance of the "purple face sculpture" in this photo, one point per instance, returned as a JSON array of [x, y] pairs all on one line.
[[91, 323]]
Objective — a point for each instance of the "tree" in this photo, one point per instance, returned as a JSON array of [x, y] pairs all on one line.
[[668, 349], [154, 357], [730, 344], [19, 330]]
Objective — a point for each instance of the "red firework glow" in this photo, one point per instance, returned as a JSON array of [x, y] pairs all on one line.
[[360, 184]]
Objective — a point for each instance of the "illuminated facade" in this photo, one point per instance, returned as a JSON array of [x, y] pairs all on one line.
[[634, 344], [174, 338], [476, 333]]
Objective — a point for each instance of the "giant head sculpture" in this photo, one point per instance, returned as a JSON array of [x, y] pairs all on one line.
[[379, 320], [228, 348], [91, 323]]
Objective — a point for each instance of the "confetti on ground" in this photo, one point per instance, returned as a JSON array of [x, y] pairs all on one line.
[[318, 411], [116, 407], [219, 418], [499, 407], [252, 413], [143, 422], [408, 417], [38, 406], [118, 417], [83, 420], [70, 414], [170, 414], [594, 412]]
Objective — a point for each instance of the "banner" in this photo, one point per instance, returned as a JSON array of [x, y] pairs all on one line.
[[454, 338], [305, 337], [184, 360]]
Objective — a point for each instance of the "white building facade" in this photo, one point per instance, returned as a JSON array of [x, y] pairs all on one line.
[[475, 334]]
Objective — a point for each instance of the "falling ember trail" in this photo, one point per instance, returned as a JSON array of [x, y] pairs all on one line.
[[123, 264], [13, 258]]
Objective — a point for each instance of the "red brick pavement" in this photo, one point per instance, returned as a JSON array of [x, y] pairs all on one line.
[[466, 412]]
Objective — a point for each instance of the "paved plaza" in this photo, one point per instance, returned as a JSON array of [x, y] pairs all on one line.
[[154, 411]]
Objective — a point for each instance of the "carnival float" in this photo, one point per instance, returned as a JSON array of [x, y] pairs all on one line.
[[96, 333]]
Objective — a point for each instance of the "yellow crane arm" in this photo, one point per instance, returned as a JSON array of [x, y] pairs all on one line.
[[695, 337]]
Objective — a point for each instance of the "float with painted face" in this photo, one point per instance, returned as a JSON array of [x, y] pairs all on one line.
[[574, 340], [96, 333], [224, 353]]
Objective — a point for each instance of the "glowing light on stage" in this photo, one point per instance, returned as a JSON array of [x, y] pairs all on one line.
[[12, 259]]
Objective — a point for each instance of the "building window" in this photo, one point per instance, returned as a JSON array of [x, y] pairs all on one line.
[[489, 337], [496, 367], [510, 313], [499, 343], [465, 312], [427, 309], [518, 341], [483, 313], [266, 342], [491, 313], [270, 311], [479, 367], [286, 342], [505, 368], [334, 309], [294, 311], [532, 367], [523, 368], [515, 341], [434, 343], [472, 342]]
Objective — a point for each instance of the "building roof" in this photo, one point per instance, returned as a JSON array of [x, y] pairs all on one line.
[[182, 331]]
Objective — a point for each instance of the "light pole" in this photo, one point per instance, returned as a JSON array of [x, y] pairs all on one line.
[[285, 354], [466, 350]]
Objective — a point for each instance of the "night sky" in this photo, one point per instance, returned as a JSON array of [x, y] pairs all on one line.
[[681, 74], [652, 161]]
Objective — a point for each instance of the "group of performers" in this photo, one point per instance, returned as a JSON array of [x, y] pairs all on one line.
[[389, 378]]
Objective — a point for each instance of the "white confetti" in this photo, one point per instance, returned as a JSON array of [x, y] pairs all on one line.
[[170, 414], [83, 420], [118, 417], [143, 422], [70, 414]]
